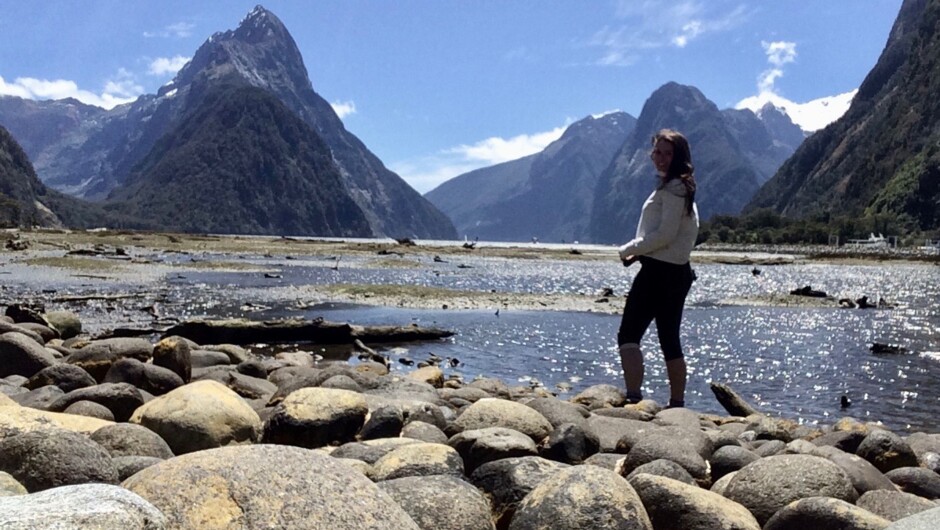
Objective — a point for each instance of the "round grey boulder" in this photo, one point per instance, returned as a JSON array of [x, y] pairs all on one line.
[[917, 480], [22, 355], [87, 506], [769, 484], [824, 512], [506, 482], [674, 504], [864, 476], [418, 459], [893, 505], [122, 399], [441, 502], [586, 497], [314, 417], [423, 431], [90, 409], [68, 377], [479, 446], [559, 412], [570, 443], [198, 416], [150, 377], [96, 357], [43, 460], [128, 466], [730, 458], [128, 439], [886, 451], [266, 486], [491, 412], [663, 468]]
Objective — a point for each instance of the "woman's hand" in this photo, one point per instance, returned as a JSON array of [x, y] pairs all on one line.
[[628, 260]]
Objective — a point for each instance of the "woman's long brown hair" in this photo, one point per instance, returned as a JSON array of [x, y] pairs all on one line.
[[681, 167]]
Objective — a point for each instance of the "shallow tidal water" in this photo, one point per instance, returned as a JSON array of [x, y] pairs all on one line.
[[795, 362]]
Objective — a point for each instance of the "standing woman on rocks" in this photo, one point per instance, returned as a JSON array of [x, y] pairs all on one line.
[[664, 239]]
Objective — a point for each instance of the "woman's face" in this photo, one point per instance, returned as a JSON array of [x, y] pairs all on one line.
[[662, 156]]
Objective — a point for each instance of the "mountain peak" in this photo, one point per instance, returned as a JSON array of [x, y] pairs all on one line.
[[259, 25]]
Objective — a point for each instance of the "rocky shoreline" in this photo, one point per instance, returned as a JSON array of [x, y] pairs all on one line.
[[132, 433]]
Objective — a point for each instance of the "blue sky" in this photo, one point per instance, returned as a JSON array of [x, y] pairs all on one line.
[[437, 88]]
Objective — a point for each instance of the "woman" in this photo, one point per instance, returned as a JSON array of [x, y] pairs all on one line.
[[664, 240]]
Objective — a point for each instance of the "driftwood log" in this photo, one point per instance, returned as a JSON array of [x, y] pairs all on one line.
[[731, 401], [241, 331]]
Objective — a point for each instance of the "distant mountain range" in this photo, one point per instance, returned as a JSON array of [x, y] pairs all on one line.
[[548, 195], [883, 156], [93, 153], [590, 184]]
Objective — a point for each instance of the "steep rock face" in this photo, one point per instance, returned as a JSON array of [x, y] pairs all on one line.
[[547, 195], [241, 163], [725, 170], [27, 202], [37, 125], [98, 156], [883, 155]]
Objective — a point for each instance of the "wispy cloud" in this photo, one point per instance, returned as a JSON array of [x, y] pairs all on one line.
[[426, 173], [118, 90], [343, 108], [810, 116], [163, 66], [650, 24], [178, 30]]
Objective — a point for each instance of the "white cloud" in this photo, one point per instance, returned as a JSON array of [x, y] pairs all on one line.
[[652, 24], [163, 66], [117, 91], [810, 116], [426, 173], [343, 108], [178, 30]]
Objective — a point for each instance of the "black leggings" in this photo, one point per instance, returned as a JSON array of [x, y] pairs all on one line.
[[658, 292]]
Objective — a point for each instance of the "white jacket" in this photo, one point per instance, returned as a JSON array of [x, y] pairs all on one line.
[[665, 231]]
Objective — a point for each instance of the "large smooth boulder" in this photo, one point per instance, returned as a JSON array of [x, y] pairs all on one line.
[[585, 497], [917, 480], [150, 377], [684, 447], [96, 357], [570, 443], [441, 502], [128, 439], [266, 486], [122, 399], [21, 355], [769, 484], [43, 460], [559, 412], [491, 412], [314, 417], [40, 398], [893, 505], [674, 504], [506, 482], [86, 507], [928, 520], [729, 459], [200, 415], [370, 451], [15, 420], [479, 446], [886, 451], [418, 459], [864, 476], [610, 431], [68, 377], [824, 512]]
